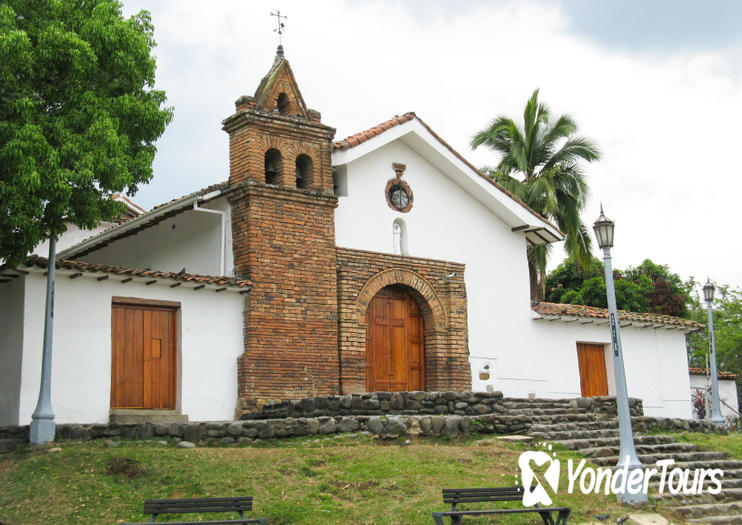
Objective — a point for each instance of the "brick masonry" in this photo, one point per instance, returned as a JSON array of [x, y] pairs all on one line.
[[438, 288], [284, 238], [305, 316]]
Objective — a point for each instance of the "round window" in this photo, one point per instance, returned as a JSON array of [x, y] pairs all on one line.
[[399, 197]]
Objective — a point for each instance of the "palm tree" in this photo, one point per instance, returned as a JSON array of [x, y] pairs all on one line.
[[541, 165]]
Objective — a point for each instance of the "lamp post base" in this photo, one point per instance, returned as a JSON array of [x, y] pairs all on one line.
[[718, 421], [42, 431], [632, 483]]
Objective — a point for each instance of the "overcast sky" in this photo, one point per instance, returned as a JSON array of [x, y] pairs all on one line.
[[658, 86]]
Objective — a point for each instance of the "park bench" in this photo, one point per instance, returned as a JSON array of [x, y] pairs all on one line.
[[239, 505], [458, 496]]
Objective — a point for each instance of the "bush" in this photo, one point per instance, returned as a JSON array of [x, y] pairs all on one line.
[[698, 400]]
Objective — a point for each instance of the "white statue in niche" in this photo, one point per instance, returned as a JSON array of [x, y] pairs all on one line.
[[397, 233]]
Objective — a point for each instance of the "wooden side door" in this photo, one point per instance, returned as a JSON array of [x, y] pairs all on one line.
[[593, 377], [394, 343], [143, 367]]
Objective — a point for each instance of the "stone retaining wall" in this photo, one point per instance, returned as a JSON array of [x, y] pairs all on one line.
[[606, 405], [379, 403], [392, 426], [427, 413], [648, 424]]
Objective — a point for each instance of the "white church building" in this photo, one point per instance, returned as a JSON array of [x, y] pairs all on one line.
[[381, 262]]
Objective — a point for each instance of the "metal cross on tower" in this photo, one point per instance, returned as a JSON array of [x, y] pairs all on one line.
[[281, 25]]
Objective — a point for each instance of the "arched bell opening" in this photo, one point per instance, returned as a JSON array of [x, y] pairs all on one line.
[[304, 169], [273, 166]]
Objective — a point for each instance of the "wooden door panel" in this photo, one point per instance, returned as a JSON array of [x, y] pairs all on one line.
[[394, 344], [143, 371], [593, 377]]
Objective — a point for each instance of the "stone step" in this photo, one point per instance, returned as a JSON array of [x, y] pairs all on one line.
[[588, 424], [680, 499], [732, 469], [528, 402], [708, 510], [129, 416], [732, 478], [570, 435], [536, 411], [651, 449], [698, 459], [718, 520], [610, 440]]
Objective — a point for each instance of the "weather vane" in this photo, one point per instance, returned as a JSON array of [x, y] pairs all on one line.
[[281, 25]]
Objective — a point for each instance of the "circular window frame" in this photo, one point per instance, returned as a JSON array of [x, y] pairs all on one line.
[[406, 187]]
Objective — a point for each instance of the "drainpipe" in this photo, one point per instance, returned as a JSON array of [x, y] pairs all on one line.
[[223, 233]]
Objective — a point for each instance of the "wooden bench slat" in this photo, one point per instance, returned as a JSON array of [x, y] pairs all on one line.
[[486, 489], [209, 500], [482, 499], [214, 522], [502, 511], [192, 510], [455, 497], [238, 504]]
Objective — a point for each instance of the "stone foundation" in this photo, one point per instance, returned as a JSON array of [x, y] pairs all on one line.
[[387, 415], [380, 403]]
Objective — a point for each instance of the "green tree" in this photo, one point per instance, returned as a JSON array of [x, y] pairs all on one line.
[[648, 287], [669, 294], [541, 164], [78, 116], [569, 276]]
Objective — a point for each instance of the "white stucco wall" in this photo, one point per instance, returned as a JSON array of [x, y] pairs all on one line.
[[445, 223], [210, 339], [191, 240], [655, 361], [727, 393], [523, 356], [11, 348]]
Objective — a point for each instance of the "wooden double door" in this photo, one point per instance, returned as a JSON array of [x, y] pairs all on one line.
[[395, 346], [143, 368], [593, 377]]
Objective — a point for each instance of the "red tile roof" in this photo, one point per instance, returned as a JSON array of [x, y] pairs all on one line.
[[577, 310], [218, 280], [363, 136], [706, 371]]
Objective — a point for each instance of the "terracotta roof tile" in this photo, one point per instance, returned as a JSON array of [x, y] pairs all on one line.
[[577, 310], [363, 136], [229, 282], [706, 371]]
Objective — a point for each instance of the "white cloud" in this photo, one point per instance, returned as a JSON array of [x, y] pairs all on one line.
[[667, 123]]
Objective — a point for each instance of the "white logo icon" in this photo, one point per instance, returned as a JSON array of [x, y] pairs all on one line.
[[592, 480], [538, 494]]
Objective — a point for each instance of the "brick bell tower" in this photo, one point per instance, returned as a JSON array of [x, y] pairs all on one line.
[[283, 234]]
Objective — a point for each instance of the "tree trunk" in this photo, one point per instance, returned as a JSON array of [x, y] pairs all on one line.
[[537, 288]]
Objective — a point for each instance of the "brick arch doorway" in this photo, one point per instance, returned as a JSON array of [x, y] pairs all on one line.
[[395, 342]]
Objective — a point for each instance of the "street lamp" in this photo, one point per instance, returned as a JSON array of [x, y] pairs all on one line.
[[43, 428], [627, 458], [716, 417]]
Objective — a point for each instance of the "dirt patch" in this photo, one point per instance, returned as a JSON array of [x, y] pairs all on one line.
[[125, 466]]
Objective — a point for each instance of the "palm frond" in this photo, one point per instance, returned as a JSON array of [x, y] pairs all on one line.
[[572, 151]]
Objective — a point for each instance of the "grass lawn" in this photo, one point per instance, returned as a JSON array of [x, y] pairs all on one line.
[[731, 443], [351, 479]]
